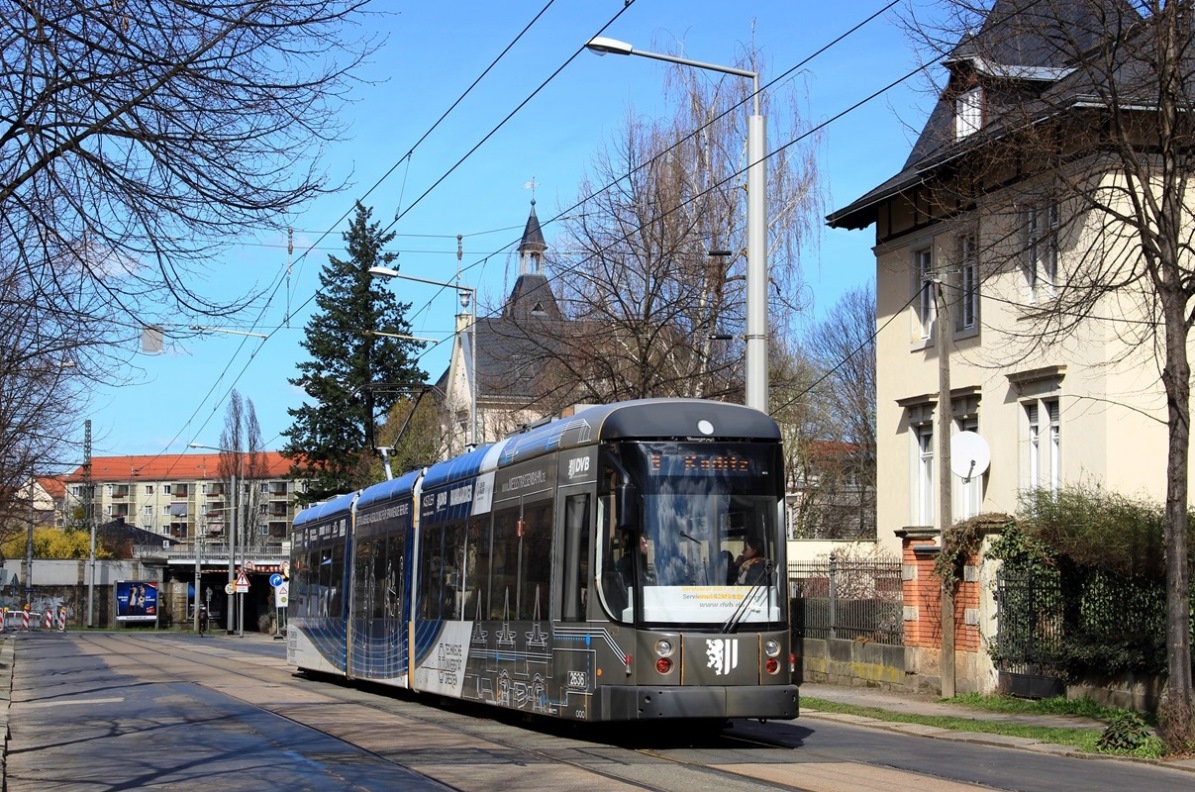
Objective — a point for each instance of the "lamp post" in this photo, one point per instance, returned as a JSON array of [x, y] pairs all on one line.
[[468, 297], [232, 545], [757, 218]]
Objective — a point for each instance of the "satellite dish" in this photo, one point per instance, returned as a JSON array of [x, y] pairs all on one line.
[[969, 455]]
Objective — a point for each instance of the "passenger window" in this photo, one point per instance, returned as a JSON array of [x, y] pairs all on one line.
[[575, 569]]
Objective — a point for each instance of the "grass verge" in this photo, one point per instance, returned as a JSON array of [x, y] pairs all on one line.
[[1081, 739]]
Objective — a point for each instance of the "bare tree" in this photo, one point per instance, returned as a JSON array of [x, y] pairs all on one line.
[[650, 308], [824, 398], [136, 138], [40, 384], [1065, 132], [242, 461]]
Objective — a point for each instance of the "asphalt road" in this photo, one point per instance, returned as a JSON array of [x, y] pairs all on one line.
[[128, 711]]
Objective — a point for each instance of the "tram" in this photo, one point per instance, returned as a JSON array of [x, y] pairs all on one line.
[[625, 563]]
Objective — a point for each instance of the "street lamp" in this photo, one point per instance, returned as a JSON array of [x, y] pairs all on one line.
[[232, 546], [468, 297], [757, 218]]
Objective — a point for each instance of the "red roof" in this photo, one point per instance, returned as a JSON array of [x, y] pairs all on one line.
[[170, 467], [54, 486]]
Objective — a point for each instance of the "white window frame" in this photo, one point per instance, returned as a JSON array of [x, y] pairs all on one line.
[[166, 489], [1042, 224], [1043, 443], [968, 315], [969, 493], [926, 309], [1033, 418], [1055, 446], [923, 482], [968, 113]]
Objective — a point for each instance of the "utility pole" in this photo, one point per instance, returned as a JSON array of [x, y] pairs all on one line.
[[945, 494], [89, 516]]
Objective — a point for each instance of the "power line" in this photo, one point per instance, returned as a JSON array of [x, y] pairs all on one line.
[[560, 215]]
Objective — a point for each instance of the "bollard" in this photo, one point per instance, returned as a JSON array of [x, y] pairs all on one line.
[[25, 620], [62, 619], [48, 621]]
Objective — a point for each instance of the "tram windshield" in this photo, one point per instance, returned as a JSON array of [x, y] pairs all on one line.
[[706, 547]]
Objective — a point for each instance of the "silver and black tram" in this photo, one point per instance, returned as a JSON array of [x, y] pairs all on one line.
[[624, 563]]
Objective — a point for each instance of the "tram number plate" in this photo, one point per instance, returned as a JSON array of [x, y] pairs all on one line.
[[576, 679]]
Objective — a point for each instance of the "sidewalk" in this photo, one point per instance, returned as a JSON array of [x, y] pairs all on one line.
[[917, 704]]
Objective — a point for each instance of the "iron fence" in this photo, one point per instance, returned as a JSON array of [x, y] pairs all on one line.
[[857, 599]]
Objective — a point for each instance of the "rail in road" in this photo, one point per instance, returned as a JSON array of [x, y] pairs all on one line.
[[95, 711]]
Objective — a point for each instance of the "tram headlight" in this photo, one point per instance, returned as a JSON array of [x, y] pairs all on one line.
[[771, 648], [664, 648]]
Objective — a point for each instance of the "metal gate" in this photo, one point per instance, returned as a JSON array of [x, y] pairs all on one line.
[[1029, 632]]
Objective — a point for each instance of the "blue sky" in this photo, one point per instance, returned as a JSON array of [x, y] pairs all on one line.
[[432, 53]]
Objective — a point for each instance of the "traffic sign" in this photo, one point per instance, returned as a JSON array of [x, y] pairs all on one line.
[[242, 583], [230, 589], [283, 595], [275, 580]]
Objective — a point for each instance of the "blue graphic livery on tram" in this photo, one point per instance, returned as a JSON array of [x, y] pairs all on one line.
[[624, 563]]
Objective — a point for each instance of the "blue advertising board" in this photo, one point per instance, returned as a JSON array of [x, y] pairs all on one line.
[[136, 600]]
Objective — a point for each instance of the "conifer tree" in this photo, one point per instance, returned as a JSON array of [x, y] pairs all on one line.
[[353, 375]]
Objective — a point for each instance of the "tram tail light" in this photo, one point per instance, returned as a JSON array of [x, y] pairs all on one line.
[[664, 665], [772, 665]]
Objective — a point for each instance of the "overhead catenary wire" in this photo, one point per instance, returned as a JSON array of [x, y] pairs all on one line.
[[560, 215]]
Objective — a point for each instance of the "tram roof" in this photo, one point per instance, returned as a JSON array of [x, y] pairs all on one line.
[[403, 486], [324, 509], [463, 466], [664, 419]]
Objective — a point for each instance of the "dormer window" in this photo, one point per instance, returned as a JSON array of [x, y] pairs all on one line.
[[968, 113]]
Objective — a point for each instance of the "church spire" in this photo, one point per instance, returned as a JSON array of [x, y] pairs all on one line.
[[532, 247]]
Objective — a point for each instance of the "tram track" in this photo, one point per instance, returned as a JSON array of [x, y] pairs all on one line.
[[477, 737], [471, 747]]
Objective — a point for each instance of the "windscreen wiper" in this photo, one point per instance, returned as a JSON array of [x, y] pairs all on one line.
[[731, 624]]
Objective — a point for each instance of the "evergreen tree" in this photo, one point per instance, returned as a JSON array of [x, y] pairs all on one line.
[[354, 375]]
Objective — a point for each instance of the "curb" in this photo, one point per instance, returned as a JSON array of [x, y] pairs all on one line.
[[7, 661], [984, 738]]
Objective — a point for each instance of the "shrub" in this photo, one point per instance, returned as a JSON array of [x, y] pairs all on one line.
[[1125, 733]]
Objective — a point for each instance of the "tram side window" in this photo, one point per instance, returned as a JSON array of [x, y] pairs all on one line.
[[336, 595], [574, 578], [395, 575], [300, 577], [537, 560], [362, 580], [477, 568], [504, 565], [452, 571], [323, 589], [431, 572], [377, 582], [614, 588]]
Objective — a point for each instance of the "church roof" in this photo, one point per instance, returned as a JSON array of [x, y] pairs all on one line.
[[533, 235]]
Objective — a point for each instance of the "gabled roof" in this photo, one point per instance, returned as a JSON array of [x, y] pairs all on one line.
[[1027, 49], [54, 486], [170, 467]]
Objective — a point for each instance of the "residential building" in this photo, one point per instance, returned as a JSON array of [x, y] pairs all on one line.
[[183, 496], [969, 227]]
